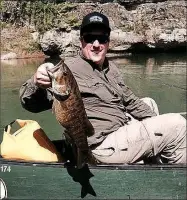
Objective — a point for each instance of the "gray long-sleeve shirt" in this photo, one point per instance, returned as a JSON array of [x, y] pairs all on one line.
[[106, 98]]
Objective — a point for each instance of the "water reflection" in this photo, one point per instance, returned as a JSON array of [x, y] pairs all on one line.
[[162, 77], [22, 62], [14, 72]]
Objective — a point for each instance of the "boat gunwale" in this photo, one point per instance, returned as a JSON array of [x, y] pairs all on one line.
[[99, 166]]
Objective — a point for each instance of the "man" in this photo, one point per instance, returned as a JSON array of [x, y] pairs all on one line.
[[126, 128]]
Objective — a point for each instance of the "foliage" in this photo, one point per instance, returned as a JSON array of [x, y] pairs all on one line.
[[43, 15]]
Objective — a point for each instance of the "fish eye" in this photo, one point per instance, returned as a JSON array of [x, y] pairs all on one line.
[[65, 73]]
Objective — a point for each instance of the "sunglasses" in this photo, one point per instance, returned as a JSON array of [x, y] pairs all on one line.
[[102, 39]]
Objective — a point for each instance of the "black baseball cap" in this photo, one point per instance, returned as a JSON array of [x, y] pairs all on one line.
[[94, 19]]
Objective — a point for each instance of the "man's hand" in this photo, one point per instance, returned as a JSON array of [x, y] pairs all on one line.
[[41, 78]]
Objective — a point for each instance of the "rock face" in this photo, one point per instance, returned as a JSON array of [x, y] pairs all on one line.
[[150, 26], [58, 42], [137, 25]]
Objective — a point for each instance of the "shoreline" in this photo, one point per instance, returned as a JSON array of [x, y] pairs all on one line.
[[5, 56], [24, 55]]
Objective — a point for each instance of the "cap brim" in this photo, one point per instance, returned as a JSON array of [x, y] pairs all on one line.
[[95, 25]]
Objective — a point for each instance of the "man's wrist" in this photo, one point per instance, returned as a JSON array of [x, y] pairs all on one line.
[[33, 82]]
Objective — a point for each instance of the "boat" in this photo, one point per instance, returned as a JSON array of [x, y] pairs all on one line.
[[39, 180]]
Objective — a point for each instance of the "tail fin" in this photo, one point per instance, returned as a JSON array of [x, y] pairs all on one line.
[[87, 189]]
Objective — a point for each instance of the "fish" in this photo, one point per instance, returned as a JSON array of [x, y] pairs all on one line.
[[69, 110]]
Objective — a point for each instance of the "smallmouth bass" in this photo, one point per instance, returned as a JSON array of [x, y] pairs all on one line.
[[69, 110]]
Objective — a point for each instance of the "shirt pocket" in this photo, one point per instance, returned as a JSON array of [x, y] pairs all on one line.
[[119, 80], [100, 89]]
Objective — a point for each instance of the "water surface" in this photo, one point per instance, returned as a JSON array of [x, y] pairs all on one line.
[[162, 77]]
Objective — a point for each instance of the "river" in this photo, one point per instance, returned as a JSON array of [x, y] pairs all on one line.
[[160, 76]]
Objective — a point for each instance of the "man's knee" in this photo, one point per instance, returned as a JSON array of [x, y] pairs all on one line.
[[175, 150], [151, 103], [175, 125], [176, 119]]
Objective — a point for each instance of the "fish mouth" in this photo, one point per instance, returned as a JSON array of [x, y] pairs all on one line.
[[59, 95]]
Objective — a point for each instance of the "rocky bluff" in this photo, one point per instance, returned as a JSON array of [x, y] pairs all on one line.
[[137, 25]]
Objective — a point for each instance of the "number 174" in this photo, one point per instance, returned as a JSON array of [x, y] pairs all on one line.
[[5, 168]]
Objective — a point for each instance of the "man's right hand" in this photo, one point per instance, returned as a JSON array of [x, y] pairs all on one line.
[[41, 78]]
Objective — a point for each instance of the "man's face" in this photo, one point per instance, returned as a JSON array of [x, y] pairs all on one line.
[[94, 45]]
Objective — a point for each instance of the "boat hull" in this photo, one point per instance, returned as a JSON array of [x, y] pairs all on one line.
[[26, 180]]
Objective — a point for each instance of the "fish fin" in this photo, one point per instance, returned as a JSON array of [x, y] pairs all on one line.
[[89, 129], [50, 74], [87, 189], [81, 176], [91, 159], [53, 109], [81, 159]]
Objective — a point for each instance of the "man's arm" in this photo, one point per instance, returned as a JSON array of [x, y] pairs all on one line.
[[34, 98], [36, 94], [135, 106]]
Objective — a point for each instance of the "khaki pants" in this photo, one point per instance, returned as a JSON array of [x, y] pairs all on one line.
[[162, 135]]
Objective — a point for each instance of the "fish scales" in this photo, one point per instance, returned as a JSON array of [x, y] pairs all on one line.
[[73, 120], [69, 110]]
